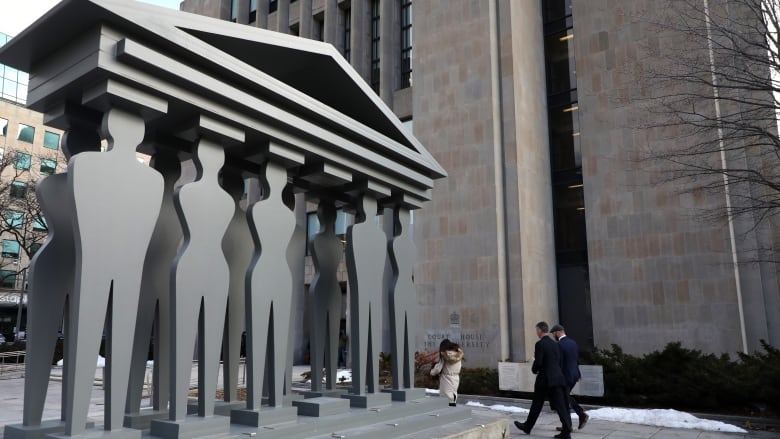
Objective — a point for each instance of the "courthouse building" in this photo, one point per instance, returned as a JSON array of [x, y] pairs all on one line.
[[546, 214]]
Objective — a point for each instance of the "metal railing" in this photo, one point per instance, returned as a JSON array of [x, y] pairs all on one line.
[[12, 364]]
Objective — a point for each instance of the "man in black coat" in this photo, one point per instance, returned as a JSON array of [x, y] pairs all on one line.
[[570, 358], [550, 384]]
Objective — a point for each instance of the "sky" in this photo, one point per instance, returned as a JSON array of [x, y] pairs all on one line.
[[16, 15]]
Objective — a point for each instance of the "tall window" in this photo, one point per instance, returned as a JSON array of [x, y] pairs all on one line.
[[571, 244], [34, 247], [406, 43], [233, 10], [39, 223], [26, 133], [252, 11], [22, 160], [375, 45], [273, 5], [4, 126], [347, 33]]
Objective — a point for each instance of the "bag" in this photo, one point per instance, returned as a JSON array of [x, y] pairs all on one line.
[[437, 368]]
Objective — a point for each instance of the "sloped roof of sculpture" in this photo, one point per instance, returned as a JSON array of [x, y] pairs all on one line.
[[308, 75]]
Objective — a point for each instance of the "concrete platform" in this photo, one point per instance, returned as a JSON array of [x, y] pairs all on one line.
[[191, 427], [265, 416], [405, 394], [47, 427], [369, 400], [321, 406], [143, 419]]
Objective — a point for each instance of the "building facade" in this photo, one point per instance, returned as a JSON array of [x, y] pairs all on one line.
[[29, 151], [546, 214]]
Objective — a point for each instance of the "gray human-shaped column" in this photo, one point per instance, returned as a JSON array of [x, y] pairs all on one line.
[[296, 254], [200, 278], [269, 289], [117, 201], [154, 304], [238, 248], [325, 297], [51, 277], [403, 300], [366, 257]]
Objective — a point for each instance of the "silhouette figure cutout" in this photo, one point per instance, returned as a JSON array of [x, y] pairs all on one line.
[[51, 278], [296, 254], [269, 290], [200, 279], [238, 248], [325, 298], [154, 304], [366, 257], [403, 300], [117, 201]]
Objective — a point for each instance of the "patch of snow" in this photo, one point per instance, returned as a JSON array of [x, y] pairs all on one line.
[[432, 392], [342, 376], [498, 407], [101, 362], [661, 418]]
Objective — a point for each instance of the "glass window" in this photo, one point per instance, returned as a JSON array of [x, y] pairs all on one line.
[[51, 140], [7, 279], [565, 150], [233, 10], [375, 45], [10, 248], [48, 167], [252, 11], [406, 43], [39, 223], [22, 160], [4, 126], [273, 5], [26, 133], [14, 218], [347, 33], [561, 76], [18, 189], [34, 247]]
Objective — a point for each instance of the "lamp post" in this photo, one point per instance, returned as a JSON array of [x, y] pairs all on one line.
[[22, 292]]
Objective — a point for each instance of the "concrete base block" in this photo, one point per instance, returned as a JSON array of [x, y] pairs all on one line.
[[495, 430], [321, 406], [221, 408], [404, 395], [286, 399], [51, 426], [369, 400], [143, 419], [265, 416], [192, 426], [330, 393], [121, 433]]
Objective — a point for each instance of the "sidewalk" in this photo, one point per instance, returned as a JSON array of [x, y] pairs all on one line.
[[11, 391]]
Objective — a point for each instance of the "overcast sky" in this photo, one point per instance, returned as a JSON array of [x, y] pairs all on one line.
[[15, 15]]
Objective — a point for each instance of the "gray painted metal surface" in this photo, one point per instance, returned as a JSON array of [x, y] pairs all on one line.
[[150, 259]]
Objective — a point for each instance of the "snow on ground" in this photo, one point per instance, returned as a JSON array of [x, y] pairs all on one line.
[[101, 362], [342, 376], [654, 417]]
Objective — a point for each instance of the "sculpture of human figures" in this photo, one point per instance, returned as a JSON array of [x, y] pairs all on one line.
[[403, 300], [296, 255], [366, 257], [269, 289], [200, 279], [325, 298], [154, 304], [238, 248], [51, 278], [113, 194]]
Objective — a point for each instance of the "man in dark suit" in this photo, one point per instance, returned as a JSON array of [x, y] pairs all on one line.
[[570, 360], [550, 384]]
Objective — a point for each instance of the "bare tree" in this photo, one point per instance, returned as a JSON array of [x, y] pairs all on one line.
[[22, 223], [715, 101]]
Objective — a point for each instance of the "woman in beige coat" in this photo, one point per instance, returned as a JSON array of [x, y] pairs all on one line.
[[448, 367]]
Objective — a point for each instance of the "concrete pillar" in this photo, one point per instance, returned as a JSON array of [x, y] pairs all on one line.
[[387, 23], [305, 20], [262, 14], [331, 27], [360, 39], [283, 17], [242, 15]]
